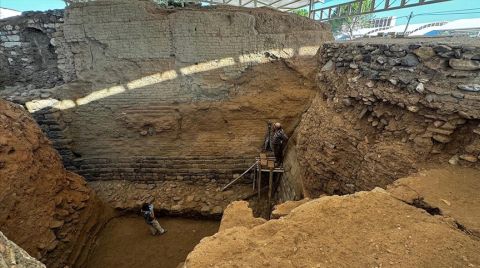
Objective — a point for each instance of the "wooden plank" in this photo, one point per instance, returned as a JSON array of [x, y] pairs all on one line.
[[263, 159], [277, 170], [271, 164]]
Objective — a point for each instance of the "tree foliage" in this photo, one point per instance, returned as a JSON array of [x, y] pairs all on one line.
[[350, 24], [302, 12]]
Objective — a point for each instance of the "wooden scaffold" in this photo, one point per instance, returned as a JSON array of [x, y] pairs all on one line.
[[263, 163]]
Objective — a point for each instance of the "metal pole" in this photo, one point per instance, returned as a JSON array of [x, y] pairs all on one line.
[[270, 185], [254, 178], [408, 22], [226, 186], [259, 180], [311, 14]]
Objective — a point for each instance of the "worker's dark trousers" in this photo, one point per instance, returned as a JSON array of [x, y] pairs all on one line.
[[278, 152]]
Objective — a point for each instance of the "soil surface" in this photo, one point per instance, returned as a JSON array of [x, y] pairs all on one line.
[[447, 191], [127, 242], [365, 229]]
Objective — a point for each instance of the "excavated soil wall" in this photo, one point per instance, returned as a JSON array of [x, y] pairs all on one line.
[[45, 209], [168, 103], [386, 108], [164, 94]]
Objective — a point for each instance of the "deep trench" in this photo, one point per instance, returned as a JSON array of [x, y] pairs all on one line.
[[125, 240]]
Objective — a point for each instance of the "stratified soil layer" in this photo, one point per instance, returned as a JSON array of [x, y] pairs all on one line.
[[365, 229], [46, 210], [127, 242]]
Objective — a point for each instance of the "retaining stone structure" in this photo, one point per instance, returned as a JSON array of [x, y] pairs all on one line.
[[29, 53], [387, 108], [440, 76]]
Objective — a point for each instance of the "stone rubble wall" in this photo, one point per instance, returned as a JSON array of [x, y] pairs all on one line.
[[386, 108], [165, 93], [191, 197], [442, 77], [438, 81], [29, 54]]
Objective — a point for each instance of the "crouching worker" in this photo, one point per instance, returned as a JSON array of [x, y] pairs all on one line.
[[147, 212]]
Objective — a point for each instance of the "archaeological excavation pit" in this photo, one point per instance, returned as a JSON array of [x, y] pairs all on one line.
[[109, 104], [126, 242]]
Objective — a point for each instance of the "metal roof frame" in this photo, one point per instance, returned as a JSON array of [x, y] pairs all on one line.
[[282, 5]]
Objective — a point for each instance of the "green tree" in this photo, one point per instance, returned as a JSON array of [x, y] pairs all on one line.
[[302, 12], [350, 24]]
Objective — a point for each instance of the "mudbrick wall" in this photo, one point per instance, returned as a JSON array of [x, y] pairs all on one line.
[[386, 109], [169, 95]]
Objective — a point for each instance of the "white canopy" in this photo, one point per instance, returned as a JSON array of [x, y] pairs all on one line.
[[6, 12]]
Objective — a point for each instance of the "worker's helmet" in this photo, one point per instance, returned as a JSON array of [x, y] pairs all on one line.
[[278, 125]]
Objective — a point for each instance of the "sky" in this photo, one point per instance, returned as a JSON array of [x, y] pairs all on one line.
[[449, 7], [27, 5], [419, 12]]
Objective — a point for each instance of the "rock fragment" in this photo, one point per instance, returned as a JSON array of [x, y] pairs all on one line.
[[469, 158], [464, 65], [471, 87]]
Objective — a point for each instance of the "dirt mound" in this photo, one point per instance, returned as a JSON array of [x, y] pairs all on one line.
[[285, 208], [366, 229], [46, 210], [239, 214]]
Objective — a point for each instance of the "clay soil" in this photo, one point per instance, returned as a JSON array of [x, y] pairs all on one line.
[[45, 209], [365, 229], [126, 242]]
